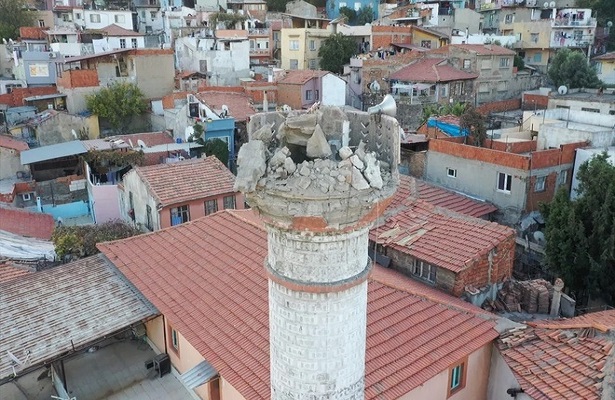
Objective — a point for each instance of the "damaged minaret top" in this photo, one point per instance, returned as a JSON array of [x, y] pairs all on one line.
[[325, 164]]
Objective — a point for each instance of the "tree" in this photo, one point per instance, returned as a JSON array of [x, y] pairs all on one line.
[[365, 15], [474, 122], [570, 68], [117, 103], [13, 15], [349, 13], [73, 242], [211, 147], [580, 233], [336, 51], [518, 62], [434, 110]]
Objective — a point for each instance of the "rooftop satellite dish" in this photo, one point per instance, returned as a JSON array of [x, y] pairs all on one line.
[[374, 86], [286, 108], [225, 111], [552, 4], [539, 237], [252, 73], [609, 24], [141, 144], [545, 5], [562, 89]]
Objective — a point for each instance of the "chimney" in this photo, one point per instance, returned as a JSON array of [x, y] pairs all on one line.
[[557, 297], [317, 228]]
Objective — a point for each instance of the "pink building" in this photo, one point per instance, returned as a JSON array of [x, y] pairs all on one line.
[[158, 196]]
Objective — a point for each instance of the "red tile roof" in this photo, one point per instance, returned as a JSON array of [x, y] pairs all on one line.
[[32, 33], [188, 180], [10, 142], [480, 49], [301, 76], [116, 30], [411, 188], [431, 70], [606, 57], [26, 223], [9, 272], [553, 360], [439, 236], [214, 291], [239, 104]]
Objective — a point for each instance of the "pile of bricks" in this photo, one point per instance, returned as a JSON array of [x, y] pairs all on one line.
[[532, 296]]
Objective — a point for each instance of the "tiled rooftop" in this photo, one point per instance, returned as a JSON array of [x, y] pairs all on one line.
[[301, 76], [26, 223], [214, 291], [431, 70], [565, 359], [238, 104], [188, 180], [606, 57], [9, 272], [439, 236], [116, 30], [411, 188], [10, 142]]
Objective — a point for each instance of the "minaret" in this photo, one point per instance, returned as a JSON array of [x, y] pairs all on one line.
[[318, 179]]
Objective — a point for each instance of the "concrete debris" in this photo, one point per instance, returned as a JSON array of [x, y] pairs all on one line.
[[252, 165], [357, 162], [358, 181], [317, 145], [265, 134], [360, 151], [345, 152], [278, 157], [289, 165], [372, 171], [531, 296]]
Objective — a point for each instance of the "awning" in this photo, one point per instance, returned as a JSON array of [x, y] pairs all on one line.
[[198, 375], [52, 152]]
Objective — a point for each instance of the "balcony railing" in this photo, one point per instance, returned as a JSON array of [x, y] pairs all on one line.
[[260, 52], [574, 43], [258, 32], [563, 22]]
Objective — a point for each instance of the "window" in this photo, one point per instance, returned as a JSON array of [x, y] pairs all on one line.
[[294, 64], [174, 339], [95, 18], [148, 218], [578, 35], [537, 57], [504, 62], [122, 43], [313, 63], [67, 17], [308, 95], [294, 45], [316, 94], [563, 177], [312, 45], [534, 37], [484, 87], [611, 112], [41, 23], [426, 44], [594, 110], [443, 90], [467, 64], [540, 184], [211, 206], [152, 15], [451, 172], [133, 43], [179, 215], [509, 18], [502, 86], [457, 378], [229, 202], [504, 182], [120, 19], [424, 271], [564, 107], [77, 15]]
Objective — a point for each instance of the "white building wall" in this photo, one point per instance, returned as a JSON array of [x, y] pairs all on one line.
[[98, 19], [140, 197], [115, 43], [333, 91], [317, 338], [501, 379]]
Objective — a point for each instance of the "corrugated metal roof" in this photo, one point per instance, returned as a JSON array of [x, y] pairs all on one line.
[[53, 151], [198, 375], [46, 314]]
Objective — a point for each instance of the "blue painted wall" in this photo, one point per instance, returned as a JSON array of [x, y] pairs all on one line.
[[333, 6], [70, 210], [222, 129]]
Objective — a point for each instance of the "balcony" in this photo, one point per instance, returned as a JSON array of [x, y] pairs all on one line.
[[570, 23], [260, 52], [258, 32], [573, 43]]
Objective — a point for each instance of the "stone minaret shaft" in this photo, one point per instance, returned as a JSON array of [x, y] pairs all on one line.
[[318, 206]]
